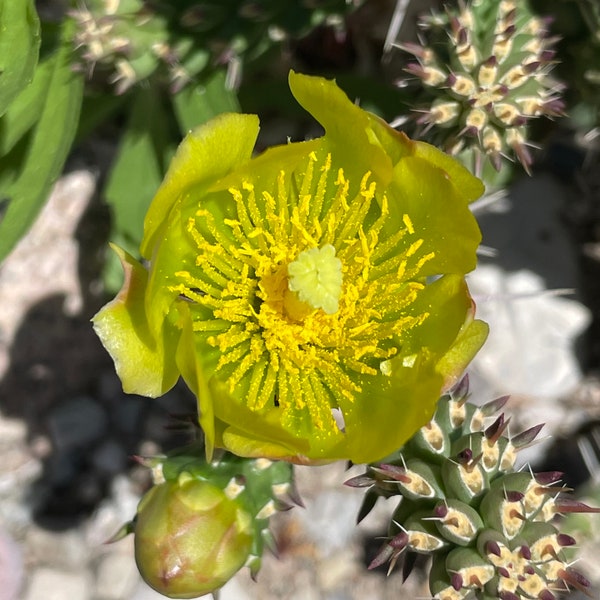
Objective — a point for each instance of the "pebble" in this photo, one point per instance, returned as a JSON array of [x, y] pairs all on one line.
[[11, 567], [77, 423], [62, 550], [50, 584], [110, 458], [117, 576]]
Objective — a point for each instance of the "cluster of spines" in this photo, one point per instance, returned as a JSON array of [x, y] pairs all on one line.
[[490, 529], [135, 39], [484, 68]]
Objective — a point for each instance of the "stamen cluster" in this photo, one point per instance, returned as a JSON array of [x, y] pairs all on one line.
[[489, 528]]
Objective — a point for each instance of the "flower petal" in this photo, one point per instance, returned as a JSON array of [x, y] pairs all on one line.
[[144, 361], [347, 126], [206, 154], [439, 214]]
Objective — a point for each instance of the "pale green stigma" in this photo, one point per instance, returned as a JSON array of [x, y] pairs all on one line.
[[316, 275]]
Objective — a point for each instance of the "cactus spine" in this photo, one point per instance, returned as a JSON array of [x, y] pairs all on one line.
[[484, 69], [489, 528]]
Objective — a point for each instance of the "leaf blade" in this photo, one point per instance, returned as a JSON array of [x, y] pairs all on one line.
[[19, 48]]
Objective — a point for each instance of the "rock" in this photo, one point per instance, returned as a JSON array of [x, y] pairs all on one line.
[[77, 423], [117, 576], [48, 584], [144, 592], [119, 508], [329, 520], [63, 550], [530, 349], [109, 458], [11, 567]]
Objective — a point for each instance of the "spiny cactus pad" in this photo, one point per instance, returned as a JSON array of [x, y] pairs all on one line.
[[484, 71], [489, 528]]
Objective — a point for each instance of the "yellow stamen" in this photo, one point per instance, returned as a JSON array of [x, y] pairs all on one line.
[[302, 290]]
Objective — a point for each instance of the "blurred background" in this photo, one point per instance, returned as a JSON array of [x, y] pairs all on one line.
[[90, 118]]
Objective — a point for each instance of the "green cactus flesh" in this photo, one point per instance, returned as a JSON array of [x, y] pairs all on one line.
[[484, 70], [490, 529]]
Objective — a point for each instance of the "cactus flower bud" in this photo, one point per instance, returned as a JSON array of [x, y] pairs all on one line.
[[190, 538]]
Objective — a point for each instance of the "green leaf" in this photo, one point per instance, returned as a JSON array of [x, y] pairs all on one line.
[[26, 108], [139, 166], [47, 150], [98, 108], [197, 103], [19, 47]]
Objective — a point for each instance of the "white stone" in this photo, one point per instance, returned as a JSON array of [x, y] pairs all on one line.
[[529, 350], [11, 567], [59, 549], [234, 590], [76, 423], [329, 520], [47, 584], [117, 576], [145, 592], [44, 262]]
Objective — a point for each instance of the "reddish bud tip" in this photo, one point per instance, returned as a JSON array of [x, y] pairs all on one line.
[[461, 389], [503, 572], [546, 595], [568, 505], [464, 457], [547, 55], [525, 552], [489, 408], [399, 542], [384, 554], [525, 438], [565, 540], [575, 579], [495, 431], [360, 481], [506, 595], [548, 477], [492, 547], [513, 496], [531, 67], [394, 472], [456, 581]]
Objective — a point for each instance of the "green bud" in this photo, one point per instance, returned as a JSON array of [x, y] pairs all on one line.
[[190, 538]]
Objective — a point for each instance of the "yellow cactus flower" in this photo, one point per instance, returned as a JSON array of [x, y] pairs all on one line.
[[312, 297]]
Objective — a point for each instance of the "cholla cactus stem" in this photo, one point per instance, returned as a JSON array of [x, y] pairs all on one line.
[[490, 529]]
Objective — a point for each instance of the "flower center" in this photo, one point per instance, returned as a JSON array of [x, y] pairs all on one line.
[[298, 294], [316, 275]]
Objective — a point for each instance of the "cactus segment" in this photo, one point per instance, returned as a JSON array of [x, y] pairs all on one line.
[[485, 69], [490, 529]]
